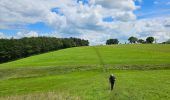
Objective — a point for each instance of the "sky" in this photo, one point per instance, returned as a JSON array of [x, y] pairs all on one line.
[[94, 20]]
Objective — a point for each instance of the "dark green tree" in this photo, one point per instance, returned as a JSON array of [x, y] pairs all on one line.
[[12, 49], [132, 39], [141, 41], [149, 39], [112, 41]]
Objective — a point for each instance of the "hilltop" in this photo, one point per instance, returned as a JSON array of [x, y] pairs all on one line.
[[144, 54]]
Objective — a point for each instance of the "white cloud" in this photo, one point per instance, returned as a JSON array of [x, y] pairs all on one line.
[[168, 3], [124, 5], [26, 34], [84, 21], [156, 2], [156, 27], [2, 35], [23, 11]]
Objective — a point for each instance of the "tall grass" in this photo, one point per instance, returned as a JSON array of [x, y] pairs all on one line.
[[94, 85], [42, 96]]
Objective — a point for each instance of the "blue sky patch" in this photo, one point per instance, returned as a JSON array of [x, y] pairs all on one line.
[[108, 19], [40, 27], [9, 32], [84, 2], [153, 8], [57, 11]]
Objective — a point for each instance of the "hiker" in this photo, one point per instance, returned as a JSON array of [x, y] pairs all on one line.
[[112, 80]]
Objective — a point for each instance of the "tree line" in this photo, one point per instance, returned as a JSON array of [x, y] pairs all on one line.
[[131, 40], [12, 49]]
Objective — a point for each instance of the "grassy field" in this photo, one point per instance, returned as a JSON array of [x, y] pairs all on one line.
[[111, 55], [93, 85], [82, 74]]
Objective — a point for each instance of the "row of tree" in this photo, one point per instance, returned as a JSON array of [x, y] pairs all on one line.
[[131, 40], [112, 41], [136, 40], [12, 49]]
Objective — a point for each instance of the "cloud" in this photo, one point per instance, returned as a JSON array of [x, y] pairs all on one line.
[[159, 28], [161, 2], [2, 35], [21, 12], [83, 20], [156, 2], [26, 34], [125, 5], [168, 3], [156, 27]]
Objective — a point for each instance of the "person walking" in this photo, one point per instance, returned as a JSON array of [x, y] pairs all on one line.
[[112, 81]]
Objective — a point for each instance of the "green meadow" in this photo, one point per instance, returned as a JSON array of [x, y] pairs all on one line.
[[81, 73], [111, 55]]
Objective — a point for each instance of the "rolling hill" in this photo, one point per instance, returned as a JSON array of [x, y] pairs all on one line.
[[81, 73], [111, 55]]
